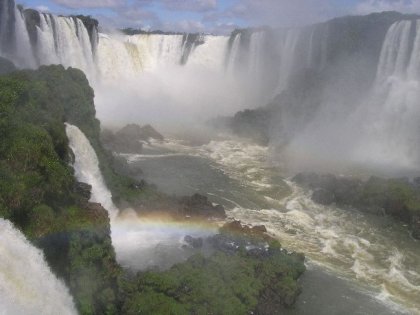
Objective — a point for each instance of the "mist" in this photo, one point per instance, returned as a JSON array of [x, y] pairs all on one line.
[[364, 117]]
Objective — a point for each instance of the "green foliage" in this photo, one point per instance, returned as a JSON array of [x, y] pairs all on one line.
[[37, 185], [397, 197], [219, 284], [38, 193]]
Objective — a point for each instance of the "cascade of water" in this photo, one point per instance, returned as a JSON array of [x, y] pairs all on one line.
[[287, 52], [210, 54], [23, 54], [395, 54], [256, 58], [7, 25], [60, 40], [87, 170], [232, 54], [46, 42], [392, 113], [414, 65], [27, 286]]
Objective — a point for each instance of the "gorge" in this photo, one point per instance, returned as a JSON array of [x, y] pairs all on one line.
[[241, 115]]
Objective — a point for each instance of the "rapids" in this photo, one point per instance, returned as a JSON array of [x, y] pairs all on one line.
[[374, 255]]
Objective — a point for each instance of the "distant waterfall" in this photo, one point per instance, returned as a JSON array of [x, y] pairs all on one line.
[[393, 130], [30, 39], [400, 56], [87, 170], [27, 286], [259, 59]]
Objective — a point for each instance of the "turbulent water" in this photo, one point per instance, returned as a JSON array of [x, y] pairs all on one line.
[[376, 255], [174, 77], [27, 285]]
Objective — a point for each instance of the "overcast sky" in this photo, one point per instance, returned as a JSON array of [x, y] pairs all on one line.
[[216, 16]]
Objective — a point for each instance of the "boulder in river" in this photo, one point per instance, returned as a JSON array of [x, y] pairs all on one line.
[[323, 196], [200, 206], [194, 242]]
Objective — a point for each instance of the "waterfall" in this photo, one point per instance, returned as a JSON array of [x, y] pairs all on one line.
[[210, 53], [393, 112], [27, 286], [232, 53], [57, 39], [86, 166]]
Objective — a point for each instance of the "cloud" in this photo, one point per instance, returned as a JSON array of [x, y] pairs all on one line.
[[190, 5], [77, 4], [221, 16], [42, 8], [283, 12], [405, 6], [190, 26]]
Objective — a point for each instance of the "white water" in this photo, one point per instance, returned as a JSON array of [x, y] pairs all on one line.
[[350, 243], [375, 254], [87, 170], [27, 285], [393, 112]]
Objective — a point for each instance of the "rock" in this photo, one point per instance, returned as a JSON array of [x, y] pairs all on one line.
[[129, 139], [121, 143], [144, 133], [6, 66], [415, 227], [323, 196], [194, 242], [314, 181], [259, 229], [84, 191], [224, 243], [199, 205], [149, 132], [33, 22], [96, 212]]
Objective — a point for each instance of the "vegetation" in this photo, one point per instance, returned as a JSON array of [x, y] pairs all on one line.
[[224, 283], [40, 195], [37, 186]]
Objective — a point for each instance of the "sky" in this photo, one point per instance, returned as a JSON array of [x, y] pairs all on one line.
[[216, 16]]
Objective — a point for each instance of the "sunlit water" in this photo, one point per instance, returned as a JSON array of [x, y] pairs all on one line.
[[352, 257]]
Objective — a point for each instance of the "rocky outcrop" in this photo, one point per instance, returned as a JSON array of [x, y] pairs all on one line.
[[398, 197], [120, 144], [33, 21], [200, 206], [129, 139], [84, 192], [91, 25], [6, 66], [194, 242], [144, 133]]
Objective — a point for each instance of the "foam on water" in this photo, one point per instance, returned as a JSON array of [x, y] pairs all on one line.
[[374, 253]]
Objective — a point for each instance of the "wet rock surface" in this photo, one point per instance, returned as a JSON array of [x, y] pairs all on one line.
[[199, 205], [130, 138]]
